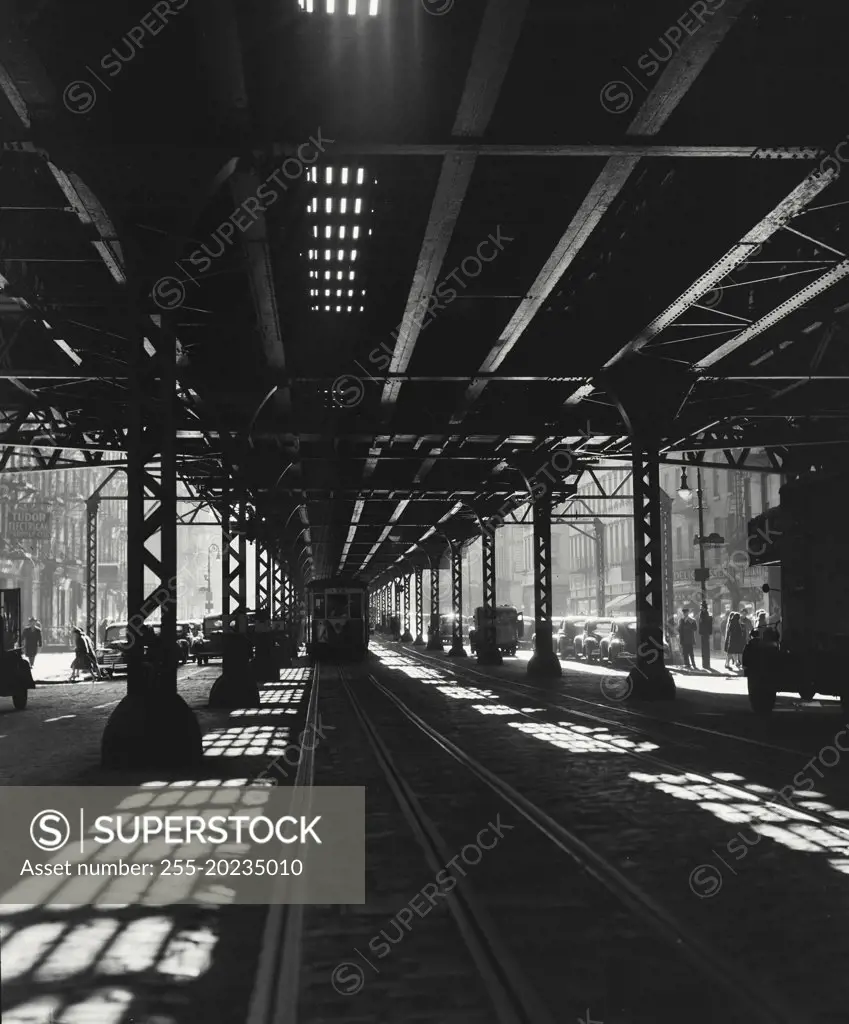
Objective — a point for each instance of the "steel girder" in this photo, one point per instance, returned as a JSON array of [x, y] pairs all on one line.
[[234, 565], [434, 640], [276, 588], [406, 636], [152, 728], [92, 508], [263, 577], [487, 639], [397, 611], [419, 640], [650, 678], [544, 662], [457, 649], [152, 505]]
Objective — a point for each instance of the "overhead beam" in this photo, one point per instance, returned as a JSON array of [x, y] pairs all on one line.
[[255, 240], [568, 149], [789, 207], [815, 288], [655, 111], [499, 33]]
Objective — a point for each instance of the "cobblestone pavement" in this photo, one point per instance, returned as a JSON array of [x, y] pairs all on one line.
[[742, 837], [139, 964], [695, 820]]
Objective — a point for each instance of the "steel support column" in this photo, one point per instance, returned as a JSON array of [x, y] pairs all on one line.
[[234, 688], [277, 569], [650, 678], [457, 649], [544, 662], [600, 563], [434, 638], [487, 637], [396, 628], [419, 641], [152, 728], [92, 508], [263, 578], [407, 636]]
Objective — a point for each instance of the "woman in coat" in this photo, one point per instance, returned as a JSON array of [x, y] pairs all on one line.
[[80, 662], [735, 641]]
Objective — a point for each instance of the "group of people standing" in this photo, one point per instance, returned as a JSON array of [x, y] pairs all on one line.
[[739, 627]]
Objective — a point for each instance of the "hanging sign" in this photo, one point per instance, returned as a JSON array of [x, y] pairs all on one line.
[[28, 524]]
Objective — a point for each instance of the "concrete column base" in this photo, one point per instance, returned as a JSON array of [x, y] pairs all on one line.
[[435, 644], [457, 650], [419, 641], [489, 658], [406, 637], [654, 683], [151, 732], [545, 665], [233, 691]]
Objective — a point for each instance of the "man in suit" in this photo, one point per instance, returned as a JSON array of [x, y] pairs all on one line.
[[31, 641]]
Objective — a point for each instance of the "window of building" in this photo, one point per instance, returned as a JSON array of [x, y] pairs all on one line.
[[678, 550]]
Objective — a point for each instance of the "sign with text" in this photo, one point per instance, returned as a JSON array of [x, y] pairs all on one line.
[[28, 524], [162, 845]]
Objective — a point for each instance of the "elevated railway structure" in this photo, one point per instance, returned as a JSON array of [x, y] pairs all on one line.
[[365, 277]]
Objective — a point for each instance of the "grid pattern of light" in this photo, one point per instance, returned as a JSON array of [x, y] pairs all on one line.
[[351, 7], [334, 212]]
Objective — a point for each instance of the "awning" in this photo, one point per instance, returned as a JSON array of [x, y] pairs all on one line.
[[620, 601]]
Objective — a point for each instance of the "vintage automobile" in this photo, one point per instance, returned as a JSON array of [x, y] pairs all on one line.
[[566, 629], [509, 629], [112, 654], [15, 672], [588, 641], [620, 644], [184, 632]]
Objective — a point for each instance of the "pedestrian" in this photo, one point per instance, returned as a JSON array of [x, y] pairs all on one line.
[[80, 662], [91, 656], [746, 622], [32, 641], [735, 640], [687, 635]]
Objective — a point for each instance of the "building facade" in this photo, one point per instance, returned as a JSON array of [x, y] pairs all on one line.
[[43, 546]]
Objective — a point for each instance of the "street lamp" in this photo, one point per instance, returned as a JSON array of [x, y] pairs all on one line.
[[705, 620], [209, 551]]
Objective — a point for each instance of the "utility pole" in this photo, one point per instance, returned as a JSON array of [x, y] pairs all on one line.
[[702, 571]]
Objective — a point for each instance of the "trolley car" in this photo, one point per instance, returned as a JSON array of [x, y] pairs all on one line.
[[338, 621]]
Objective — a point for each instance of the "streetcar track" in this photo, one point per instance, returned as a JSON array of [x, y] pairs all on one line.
[[625, 711], [755, 997], [668, 766], [513, 997], [274, 998]]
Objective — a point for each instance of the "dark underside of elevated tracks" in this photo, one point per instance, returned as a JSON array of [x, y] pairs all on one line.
[[366, 278], [362, 282]]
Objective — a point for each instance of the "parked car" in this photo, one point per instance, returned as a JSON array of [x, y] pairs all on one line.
[[565, 632], [184, 633], [112, 653], [620, 644], [587, 643]]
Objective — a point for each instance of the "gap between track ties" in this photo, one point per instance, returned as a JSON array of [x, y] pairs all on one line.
[[274, 999], [513, 997], [802, 815], [758, 1001]]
